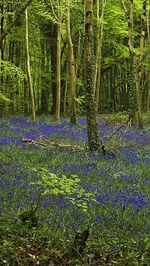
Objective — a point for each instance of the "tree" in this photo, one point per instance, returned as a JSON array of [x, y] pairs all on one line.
[[99, 37], [71, 67], [137, 63], [55, 79], [148, 33], [28, 66], [2, 45], [58, 65], [56, 17], [89, 82]]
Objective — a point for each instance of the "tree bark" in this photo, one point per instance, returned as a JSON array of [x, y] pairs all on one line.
[[97, 77], [58, 82], [45, 81], [2, 28], [89, 82], [148, 33], [137, 65], [71, 67], [53, 43], [2, 44], [140, 66], [28, 66]]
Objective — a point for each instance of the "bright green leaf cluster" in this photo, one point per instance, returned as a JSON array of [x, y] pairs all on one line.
[[15, 74], [3, 98], [69, 187]]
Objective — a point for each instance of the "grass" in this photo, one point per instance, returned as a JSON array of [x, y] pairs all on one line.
[[109, 194]]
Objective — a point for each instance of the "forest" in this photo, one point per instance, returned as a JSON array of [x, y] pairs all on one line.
[[75, 132]]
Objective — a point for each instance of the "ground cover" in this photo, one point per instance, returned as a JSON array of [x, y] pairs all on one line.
[[107, 194]]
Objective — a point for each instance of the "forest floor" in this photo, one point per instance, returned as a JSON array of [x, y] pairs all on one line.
[[62, 205]]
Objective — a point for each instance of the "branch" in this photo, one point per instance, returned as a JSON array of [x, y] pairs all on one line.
[[14, 21], [47, 143], [53, 11], [125, 9]]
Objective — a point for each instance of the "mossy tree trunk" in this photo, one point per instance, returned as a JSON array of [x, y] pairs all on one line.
[[44, 80], [2, 43], [89, 82], [58, 75], [53, 47], [137, 64], [140, 65], [71, 67], [2, 27], [148, 33], [28, 66], [99, 37]]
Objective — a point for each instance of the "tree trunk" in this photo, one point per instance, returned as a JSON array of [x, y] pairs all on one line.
[[45, 79], [71, 67], [2, 28], [148, 33], [28, 66], [137, 66], [44, 89], [89, 83], [58, 62], [97, 77], [140, 66], [53, 42], [2, 44]]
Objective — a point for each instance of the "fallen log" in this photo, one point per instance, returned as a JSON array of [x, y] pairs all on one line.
[[46, 143]]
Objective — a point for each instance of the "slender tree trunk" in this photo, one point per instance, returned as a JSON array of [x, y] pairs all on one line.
[[28, 66], [89, 82], [2, 28], [2, 44], [78, 57], [137, 66], [2, 106], [71, 67], [53, 43], [45, 65], [58, 62], [140, 66], [97, 77], [148, 32], [65, 94], [44, 89], [132, 68]]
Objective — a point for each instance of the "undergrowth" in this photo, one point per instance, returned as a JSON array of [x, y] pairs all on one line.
[[70, 191]]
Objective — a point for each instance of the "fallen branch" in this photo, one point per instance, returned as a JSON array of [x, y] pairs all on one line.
[[46, 143]]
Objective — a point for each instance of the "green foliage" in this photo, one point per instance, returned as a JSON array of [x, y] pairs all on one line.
[[3, 98], [69, 187], [122, 51], [15, 74], [69, 181], [43, 12], [50, 10], [80, 102], [29, 216]]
